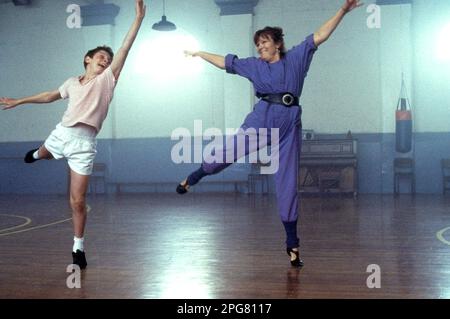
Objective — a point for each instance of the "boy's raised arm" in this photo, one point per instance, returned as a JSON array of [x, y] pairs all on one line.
[[119, 59]]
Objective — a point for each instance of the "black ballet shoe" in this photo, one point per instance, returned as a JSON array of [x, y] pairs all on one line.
[[29, 157], [297, 262], [183, 187], [79, 258]]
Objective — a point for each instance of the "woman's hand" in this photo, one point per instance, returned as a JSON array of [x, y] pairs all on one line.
[[190, 53]]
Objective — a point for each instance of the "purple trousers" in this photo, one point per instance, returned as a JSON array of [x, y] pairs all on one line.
[[271, 125]]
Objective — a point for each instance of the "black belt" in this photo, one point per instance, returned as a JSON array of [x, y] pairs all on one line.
[[286, 99]]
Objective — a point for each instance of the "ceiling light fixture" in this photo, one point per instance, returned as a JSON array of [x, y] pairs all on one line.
[[164, 24]]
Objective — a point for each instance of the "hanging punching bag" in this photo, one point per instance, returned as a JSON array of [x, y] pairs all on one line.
[[403, 124]]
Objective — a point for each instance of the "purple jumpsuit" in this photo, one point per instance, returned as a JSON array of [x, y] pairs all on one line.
[[285, 75]]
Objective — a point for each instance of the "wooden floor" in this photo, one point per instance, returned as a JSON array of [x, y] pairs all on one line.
[[226, 246]]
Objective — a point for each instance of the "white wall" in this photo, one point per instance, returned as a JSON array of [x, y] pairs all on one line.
[[432, 76], [37, 53], [353, 83], [354, 80]]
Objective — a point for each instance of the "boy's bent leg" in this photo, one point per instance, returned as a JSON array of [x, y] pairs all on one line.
[[37, 154], [78, 188], [52, 148], [44, 153]]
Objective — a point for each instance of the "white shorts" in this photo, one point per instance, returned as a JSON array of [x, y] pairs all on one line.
[[77, 144]]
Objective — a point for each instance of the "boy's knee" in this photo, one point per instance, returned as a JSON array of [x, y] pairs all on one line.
[[44, 153], [78, 204]]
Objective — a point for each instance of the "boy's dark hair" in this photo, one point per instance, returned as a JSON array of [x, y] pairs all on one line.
[[275, 33], [92, 52]]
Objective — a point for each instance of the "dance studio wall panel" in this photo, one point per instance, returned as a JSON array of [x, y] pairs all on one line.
[[432, 75], [353, 84], [345, 88]]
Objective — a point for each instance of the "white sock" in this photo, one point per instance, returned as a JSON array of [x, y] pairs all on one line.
[[36, 155], [78, 243]]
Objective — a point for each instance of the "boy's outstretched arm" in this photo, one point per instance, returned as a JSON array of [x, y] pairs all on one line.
[[45, 97], [324, 32], [119, 59]]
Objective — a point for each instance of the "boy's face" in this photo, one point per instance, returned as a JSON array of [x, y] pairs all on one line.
[[99, 62]]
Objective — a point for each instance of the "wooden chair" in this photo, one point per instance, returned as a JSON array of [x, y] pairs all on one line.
[[445, 167], [404, 168], [99, 173]]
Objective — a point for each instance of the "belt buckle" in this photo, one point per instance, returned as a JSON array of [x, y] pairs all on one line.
[[287, 99]]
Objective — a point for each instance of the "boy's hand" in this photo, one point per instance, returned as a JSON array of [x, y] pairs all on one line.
[[8, 103], [140, 9], [349, 5]]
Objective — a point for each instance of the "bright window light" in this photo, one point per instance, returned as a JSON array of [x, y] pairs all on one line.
[[162, 57], [443, 44]]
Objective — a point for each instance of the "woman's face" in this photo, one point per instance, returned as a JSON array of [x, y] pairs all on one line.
[[268, 49]]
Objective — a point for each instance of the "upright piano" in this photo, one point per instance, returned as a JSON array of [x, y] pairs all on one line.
[[328, 166]]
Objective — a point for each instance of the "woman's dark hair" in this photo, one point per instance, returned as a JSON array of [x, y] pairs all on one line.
[[92, 52], [275, 33]]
